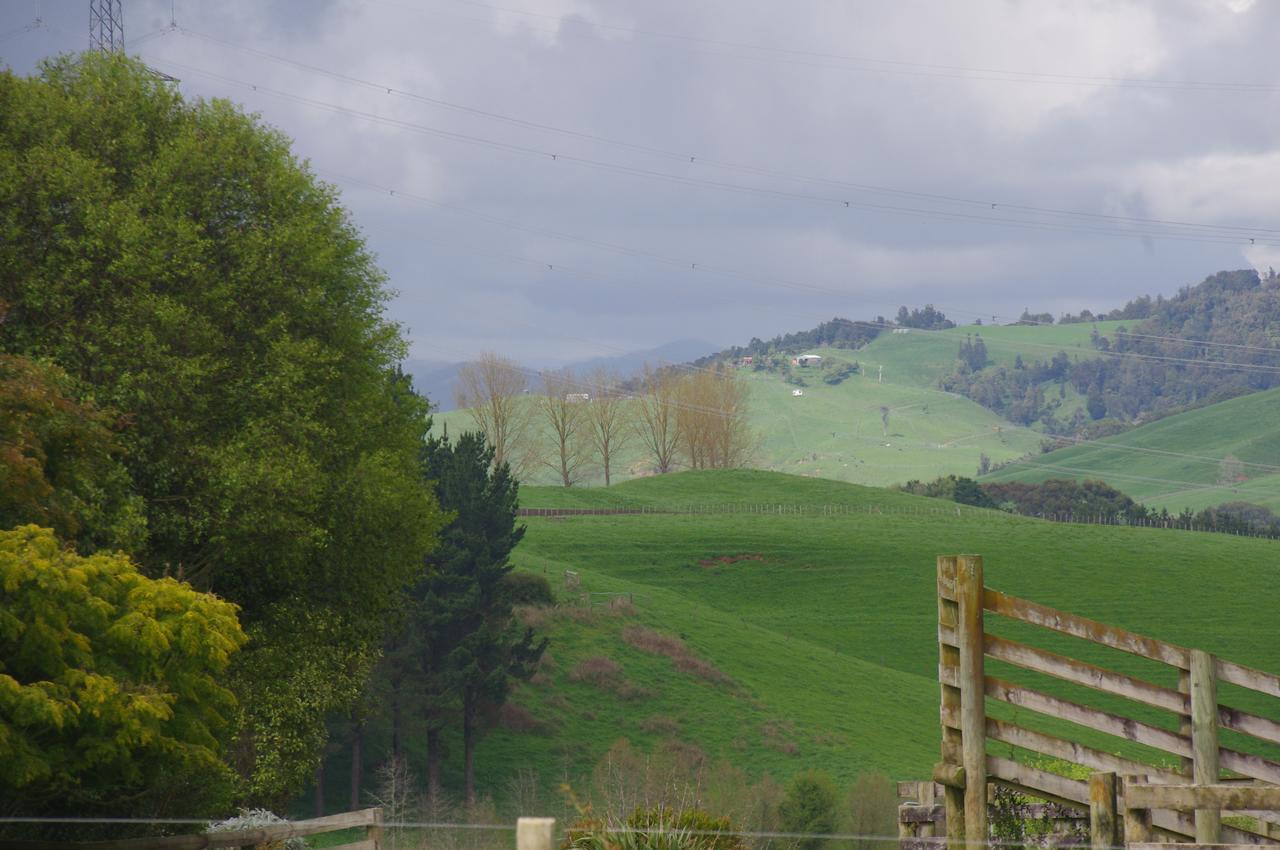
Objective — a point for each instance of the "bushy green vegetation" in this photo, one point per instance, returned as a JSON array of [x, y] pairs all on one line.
[[195, 368], [111, 691]]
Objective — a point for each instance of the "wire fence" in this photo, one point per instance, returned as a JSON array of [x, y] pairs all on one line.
[[568, 830], [951, 511]]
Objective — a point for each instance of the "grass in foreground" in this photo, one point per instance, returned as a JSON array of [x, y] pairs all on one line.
[[823, 627]]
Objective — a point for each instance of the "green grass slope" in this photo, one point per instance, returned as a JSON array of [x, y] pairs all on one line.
[[1152, 465], [824, 625], [920, 358], [837, 431]]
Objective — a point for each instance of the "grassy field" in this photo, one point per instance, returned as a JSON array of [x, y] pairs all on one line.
[[838, 432], [823, 627], [1138, 462], [921, 358]]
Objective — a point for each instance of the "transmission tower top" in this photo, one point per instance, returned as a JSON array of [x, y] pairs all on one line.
[[106, 25]]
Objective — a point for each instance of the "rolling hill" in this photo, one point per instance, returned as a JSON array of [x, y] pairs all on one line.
[[1176, 462], [837, 431], [811, 632]]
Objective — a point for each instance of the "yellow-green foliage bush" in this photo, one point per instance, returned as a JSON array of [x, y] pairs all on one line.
[[109, 680]]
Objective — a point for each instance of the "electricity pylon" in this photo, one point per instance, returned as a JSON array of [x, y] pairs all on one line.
[[106, 25]]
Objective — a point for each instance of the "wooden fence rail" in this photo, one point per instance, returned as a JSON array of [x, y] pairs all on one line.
[[1198, 757], [369, 819], [531, 834]]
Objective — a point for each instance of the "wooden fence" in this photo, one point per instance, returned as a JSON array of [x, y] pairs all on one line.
[[1197, 758], [370, 820]]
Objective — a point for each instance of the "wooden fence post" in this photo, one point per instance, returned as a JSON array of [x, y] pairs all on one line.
[[535, 833], [374, 831], [928, 798], [1102, 811], [1137, 822], [973, 715], [949, 671], [1204, 741]]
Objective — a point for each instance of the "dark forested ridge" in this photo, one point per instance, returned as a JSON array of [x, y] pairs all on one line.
[[1208, 343], [836, 333]]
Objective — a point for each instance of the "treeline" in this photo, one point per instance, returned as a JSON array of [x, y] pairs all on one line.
[[1173, 366], [220, 516], [836, 333], [674, 417], [1068, 500]]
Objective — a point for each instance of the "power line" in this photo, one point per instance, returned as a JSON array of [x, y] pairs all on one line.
[[749, 169], [644, 173], [689, 265]]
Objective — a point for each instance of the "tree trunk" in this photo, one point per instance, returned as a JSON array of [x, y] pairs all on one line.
[[357, 764], [319, 798], [434, 759], [468, 750], [395, 716]]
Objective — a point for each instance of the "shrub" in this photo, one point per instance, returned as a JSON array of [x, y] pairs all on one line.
[[660, 724], [659, 828], [809, 807], [657, 643], [528, 589], [597, 669], [516, 718], [258, 819]]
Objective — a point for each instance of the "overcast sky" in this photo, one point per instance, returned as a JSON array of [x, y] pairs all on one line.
[[728, 137]]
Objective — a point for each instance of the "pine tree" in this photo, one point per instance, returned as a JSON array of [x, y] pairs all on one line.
[[467, 646]]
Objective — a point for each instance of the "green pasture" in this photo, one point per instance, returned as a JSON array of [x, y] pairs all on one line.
[[826, 623], [1176, 462]]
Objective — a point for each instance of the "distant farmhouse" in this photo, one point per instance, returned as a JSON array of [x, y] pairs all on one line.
[[806, 360]]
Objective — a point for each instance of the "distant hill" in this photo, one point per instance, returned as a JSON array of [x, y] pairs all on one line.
[[627, 365], [1169, 354], [1196, 459], [434, 379]]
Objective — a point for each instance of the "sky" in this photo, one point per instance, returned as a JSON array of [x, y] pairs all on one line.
[[556, 180]]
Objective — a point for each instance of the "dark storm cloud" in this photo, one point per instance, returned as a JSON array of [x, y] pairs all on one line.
[[466, 284]]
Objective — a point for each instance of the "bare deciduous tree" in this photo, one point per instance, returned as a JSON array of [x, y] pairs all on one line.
[[884, 421], [712, 419], [609, 419], [492, 391], [656, 424], [563, 406]]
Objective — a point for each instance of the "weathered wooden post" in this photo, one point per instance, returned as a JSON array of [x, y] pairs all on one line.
[[535, 833], [928, 798], [973, 714], [1137, 822], [949, 772], [374, 831], [1204, 741], [1103, 822]]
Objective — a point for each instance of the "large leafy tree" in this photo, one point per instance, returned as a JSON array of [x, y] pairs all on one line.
[[110, 699], [468, 647], [191, 274], [59, 462]]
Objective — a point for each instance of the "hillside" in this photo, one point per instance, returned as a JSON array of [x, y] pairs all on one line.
[[922, 358], [837, 431], [823, 626], [1140, 462]]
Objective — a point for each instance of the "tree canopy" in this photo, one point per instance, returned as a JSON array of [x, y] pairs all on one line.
[[190, 275], [110, 685]]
